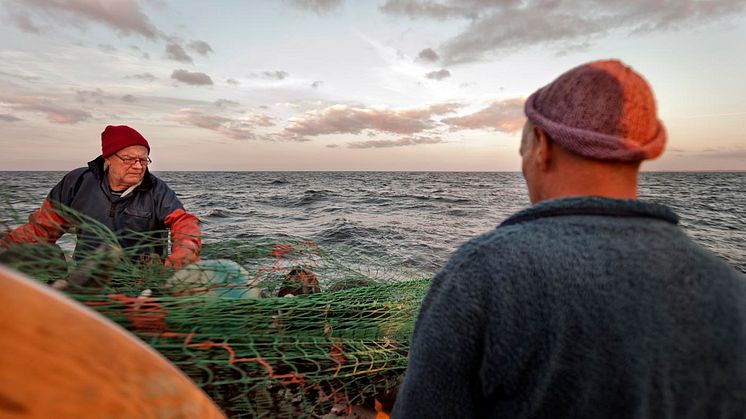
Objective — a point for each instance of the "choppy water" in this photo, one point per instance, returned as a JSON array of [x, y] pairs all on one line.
[[411, 219]]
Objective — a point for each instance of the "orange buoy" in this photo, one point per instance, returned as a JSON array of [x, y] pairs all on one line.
[[60, 359]]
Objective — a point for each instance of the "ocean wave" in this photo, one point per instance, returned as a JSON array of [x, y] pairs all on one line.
[[312, 196], [355, 233], [436, 198], [218, 213]]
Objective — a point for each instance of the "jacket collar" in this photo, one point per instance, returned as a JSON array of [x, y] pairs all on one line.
[[97, 167], [593, 205]]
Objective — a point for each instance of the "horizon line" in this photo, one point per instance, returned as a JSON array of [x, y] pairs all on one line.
[[390, 171]]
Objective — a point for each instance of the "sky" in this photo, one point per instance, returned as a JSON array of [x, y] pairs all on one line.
[[433, 85]]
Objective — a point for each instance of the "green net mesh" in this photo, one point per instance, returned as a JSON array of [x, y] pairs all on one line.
[[337, 338]]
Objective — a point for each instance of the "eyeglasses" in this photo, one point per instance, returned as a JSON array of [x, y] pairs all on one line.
[[130, 161]]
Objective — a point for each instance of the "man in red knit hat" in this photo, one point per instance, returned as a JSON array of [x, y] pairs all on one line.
[[116, 190]]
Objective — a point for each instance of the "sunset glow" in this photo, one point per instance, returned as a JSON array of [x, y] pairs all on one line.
[[351, 85]]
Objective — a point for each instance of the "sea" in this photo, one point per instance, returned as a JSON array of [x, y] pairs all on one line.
[[404, 220]]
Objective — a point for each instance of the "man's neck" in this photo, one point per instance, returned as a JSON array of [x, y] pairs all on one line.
[[612, 191], [619, 183], [115, 185]]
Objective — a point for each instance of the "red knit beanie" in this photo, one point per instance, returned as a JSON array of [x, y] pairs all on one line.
[[601, 110], [117, 137]]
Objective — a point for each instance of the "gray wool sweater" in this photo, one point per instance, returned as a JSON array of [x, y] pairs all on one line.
[[581, 307]]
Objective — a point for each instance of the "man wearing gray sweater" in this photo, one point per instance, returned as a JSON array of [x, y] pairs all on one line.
[[590, 303]]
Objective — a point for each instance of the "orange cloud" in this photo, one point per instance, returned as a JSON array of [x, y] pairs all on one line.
[[505, 116], [238, 129], [343, 119], [125, 16], [54, 113], [401, 142]]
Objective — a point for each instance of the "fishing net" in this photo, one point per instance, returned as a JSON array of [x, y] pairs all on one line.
[[338, 337]]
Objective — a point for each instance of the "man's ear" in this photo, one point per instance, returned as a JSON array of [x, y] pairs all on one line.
[[543, 149]]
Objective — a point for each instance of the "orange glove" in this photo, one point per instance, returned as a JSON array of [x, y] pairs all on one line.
[[44, 225], [186, 238]]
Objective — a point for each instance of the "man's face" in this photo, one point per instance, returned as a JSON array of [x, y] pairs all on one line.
[[528, 167], [127, 174]]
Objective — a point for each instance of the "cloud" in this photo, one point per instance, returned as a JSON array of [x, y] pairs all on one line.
[[720, 153], [233, 82], [401, 142], [193, 78], [276, 75], [343, 119], [107, 47], [258, 120], [332, 146], [129, 99], [96, 96], [435, 9], [225, 103], [316, 84], [318, 6], [505, 116], [9, 118], [435, 109], [198, 119], [54, 113], [271, 75], [176, 52], [428, 55], [200, 47], [438, 75], [143, 54], [497, 26], [237, 129], [20, 76], [124, 16], [142, 76], [24, 23], [158, 4]]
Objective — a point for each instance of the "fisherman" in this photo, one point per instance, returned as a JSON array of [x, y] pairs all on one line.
[[590, 303], [118, 191]]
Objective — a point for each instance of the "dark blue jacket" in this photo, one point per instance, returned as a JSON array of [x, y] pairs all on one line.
[[136, 219], [581, 308]]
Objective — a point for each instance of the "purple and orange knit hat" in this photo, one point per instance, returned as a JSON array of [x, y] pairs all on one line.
[[601, 110]]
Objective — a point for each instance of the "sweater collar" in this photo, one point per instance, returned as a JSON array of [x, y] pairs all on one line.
[[593, 205]]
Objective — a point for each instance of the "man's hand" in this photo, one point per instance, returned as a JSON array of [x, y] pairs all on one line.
[[180, 256], [144, 314], [186, 239], [45, 225], [176, 260]]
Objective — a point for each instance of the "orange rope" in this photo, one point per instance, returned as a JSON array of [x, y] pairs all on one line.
[[286, 379]]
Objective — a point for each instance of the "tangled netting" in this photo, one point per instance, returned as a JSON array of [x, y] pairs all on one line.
[[338, 337]]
